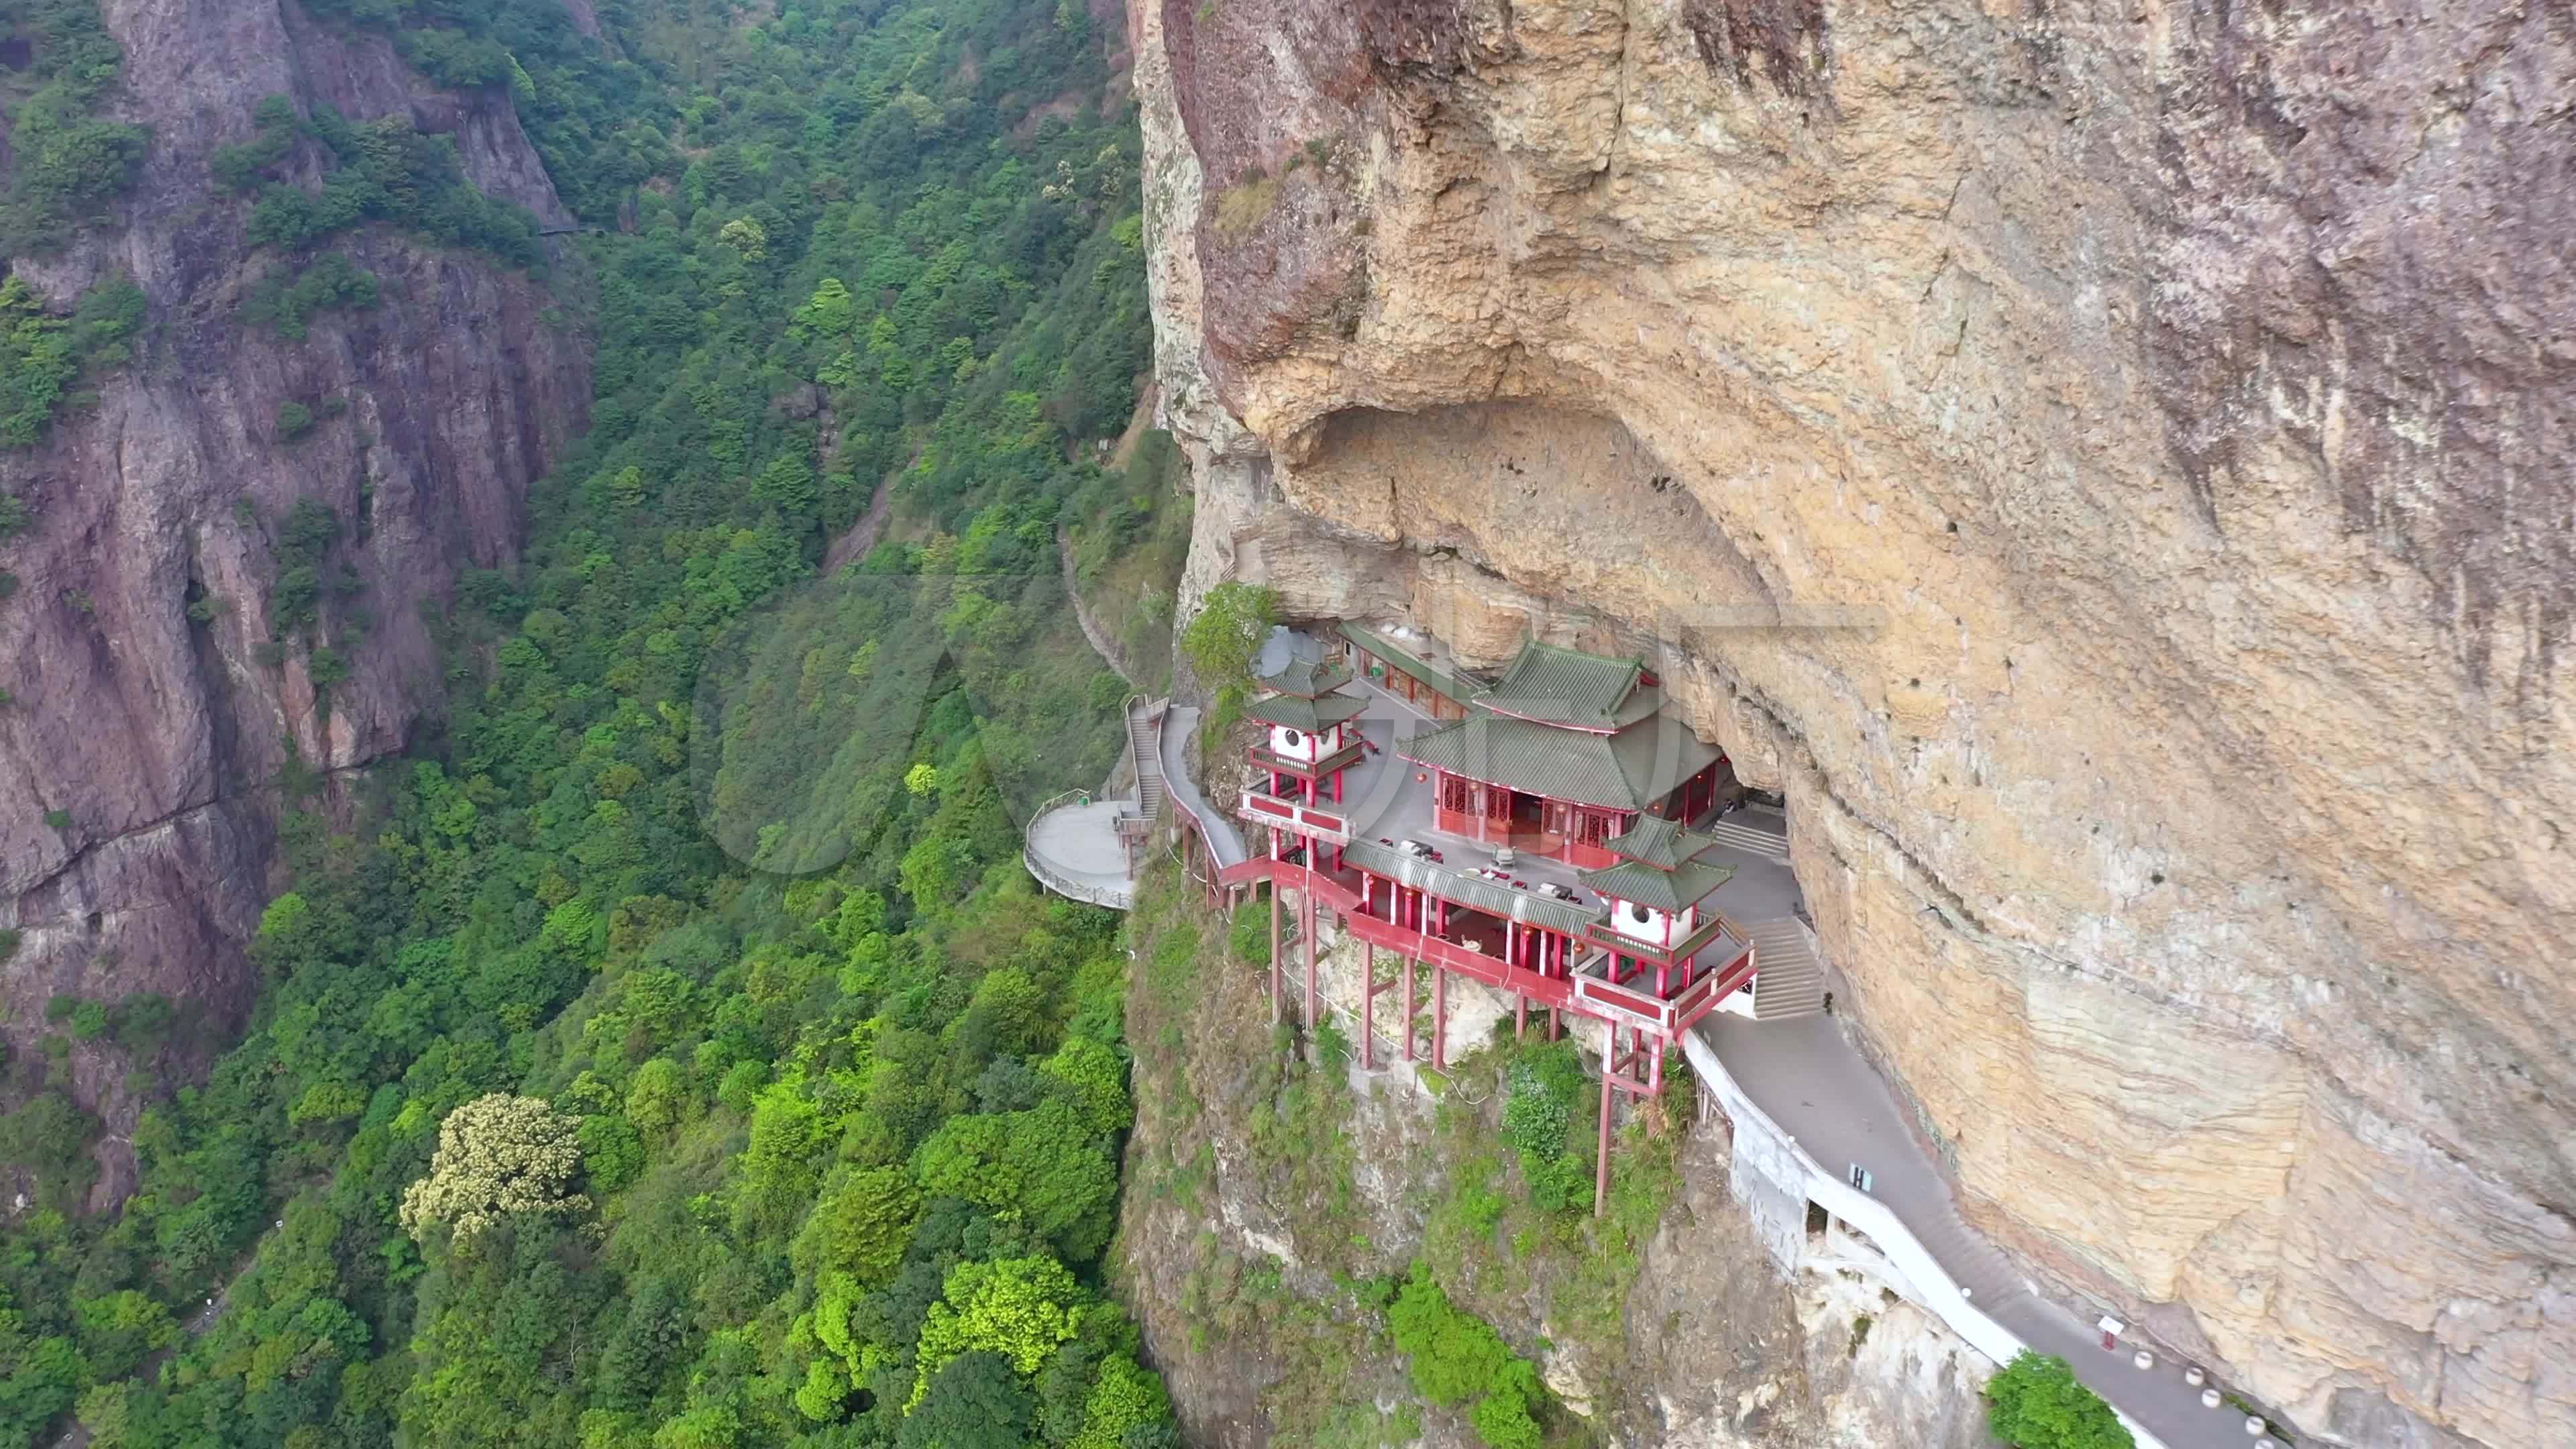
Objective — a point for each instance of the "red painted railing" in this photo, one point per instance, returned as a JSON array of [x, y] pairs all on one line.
[[1584, 995], [1289, 815], [1638, 1008], [1341, 759]]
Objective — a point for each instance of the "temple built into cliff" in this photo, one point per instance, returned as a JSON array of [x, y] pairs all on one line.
[[1546, 833], [1551, 842]]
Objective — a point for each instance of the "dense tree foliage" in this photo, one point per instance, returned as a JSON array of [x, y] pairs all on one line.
[[678, 1054], [2036, 1402]]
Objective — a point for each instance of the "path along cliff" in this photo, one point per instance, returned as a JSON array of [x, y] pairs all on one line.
[[2097, 462], [151, 706]]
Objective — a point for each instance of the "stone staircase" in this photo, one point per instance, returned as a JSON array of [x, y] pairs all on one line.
[[1145, 758], [1748, 839], [1788, 980]]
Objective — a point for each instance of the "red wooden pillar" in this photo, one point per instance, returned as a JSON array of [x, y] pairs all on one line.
[[1368, 1006], [1406, 963], [1512, 949], [1309, 932], [1274, 951], [1439, 1017]]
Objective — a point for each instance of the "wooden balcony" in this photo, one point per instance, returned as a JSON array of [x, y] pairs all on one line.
[[1271, 812], [1708, 934], [1264, 758], [1596, 994]]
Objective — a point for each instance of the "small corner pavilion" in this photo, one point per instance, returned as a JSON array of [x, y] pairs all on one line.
[[1311, 739], [1653, 898]]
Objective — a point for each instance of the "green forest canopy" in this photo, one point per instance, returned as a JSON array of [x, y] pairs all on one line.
[[847, 1138]]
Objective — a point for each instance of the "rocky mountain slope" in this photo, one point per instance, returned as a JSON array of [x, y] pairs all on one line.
[[2106, 463], [135, 818]]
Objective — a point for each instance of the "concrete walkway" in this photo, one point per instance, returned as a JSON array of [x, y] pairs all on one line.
[[1807, 1078], [1179, 723]]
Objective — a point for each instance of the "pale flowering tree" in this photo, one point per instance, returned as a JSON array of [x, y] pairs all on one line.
[[498, 1156]]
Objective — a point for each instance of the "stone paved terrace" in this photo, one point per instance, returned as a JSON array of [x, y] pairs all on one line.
[[1073, 845]]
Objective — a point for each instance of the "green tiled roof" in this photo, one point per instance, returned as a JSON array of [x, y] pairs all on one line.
[[1308, 678], [1473, 891], [1456, 686], [1660, 843], [1664, 890], [1314, 716], [1567, 687], [1626, 771]]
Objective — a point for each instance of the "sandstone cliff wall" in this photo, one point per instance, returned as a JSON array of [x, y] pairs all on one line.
[[2180, 392], [157, 734]]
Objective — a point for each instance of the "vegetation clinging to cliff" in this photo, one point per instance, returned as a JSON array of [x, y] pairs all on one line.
[[67, 163], [2036, 1402], [380, 170], [44, 357]]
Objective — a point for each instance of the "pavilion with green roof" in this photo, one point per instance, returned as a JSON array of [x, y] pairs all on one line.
[[1563, 753], [1652, 895], [1311, 738]]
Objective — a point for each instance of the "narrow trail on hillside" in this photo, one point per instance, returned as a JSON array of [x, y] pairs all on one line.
[[1101, 643], [862, 536]]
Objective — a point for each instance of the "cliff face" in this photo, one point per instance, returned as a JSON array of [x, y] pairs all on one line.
[[2169, 403], [156, 734]]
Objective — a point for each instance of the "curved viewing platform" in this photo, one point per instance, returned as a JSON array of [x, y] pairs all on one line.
[[1090, 847], [1074, 848]]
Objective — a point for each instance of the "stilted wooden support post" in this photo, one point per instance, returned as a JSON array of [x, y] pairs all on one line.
[[1601, 1158], [1274, 953], [1406, 963], [1439, 1017], [1368, 1006], [1306, 928]]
